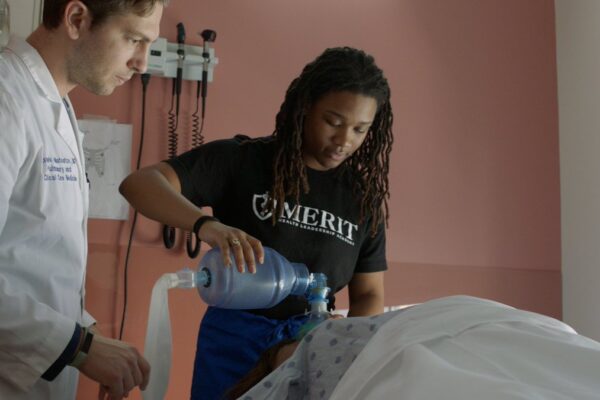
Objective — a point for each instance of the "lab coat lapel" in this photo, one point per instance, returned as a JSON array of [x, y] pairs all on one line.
[[78, 150], [43, 78], [65, 127]]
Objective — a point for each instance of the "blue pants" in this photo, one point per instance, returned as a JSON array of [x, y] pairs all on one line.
[[230, 343]]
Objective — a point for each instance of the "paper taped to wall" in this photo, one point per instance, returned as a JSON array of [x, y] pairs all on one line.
[[107, 149]]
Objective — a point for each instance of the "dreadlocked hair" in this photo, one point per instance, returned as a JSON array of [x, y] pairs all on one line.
[[340, 69]]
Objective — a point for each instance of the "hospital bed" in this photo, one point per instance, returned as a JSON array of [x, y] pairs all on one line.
[[453, 348]]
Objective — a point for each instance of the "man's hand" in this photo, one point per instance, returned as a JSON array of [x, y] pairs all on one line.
[[117, 366]]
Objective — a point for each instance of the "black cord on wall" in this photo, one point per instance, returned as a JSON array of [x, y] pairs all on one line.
[[145, 80]]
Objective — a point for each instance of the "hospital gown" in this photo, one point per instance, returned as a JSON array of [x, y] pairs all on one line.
[[320, 360]]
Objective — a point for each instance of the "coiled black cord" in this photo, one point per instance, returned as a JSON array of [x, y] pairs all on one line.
[[192, 243], [173, 122], [197, 126], [169, 235]]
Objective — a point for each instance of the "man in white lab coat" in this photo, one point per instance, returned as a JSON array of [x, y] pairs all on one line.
[[45, 333]]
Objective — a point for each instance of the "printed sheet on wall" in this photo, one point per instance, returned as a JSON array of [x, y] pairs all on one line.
[[107, 149]]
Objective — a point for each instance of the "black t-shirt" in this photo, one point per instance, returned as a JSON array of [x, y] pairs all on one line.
[[234, 177]]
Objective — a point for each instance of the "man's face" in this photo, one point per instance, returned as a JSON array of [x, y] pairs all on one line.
[[108, 55]]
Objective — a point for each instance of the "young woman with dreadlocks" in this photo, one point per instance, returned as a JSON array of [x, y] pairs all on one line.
[[315, 190]]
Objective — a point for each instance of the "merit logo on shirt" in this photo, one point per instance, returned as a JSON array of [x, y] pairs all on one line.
[[59, 169], [308, 218]]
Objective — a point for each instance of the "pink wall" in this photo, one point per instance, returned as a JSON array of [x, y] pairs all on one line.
[[475, 175]]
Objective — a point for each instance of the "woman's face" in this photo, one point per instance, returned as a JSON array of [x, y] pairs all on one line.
[[335, 127]]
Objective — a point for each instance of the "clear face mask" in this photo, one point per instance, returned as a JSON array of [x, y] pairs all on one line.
[[4, 24]]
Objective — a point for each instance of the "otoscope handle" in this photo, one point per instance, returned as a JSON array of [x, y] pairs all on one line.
[[180, 33], [209, 36], [204, 90], [178, 81]]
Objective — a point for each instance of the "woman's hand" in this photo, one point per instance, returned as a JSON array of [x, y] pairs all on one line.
[[246, 249]]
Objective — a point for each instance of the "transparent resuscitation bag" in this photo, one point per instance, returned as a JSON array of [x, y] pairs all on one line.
[[223, 287]]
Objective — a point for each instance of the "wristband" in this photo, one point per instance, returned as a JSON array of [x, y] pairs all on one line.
[[83, 351], [200, 221]]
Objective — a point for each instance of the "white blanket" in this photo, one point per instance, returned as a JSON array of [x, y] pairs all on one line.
[[453, 348], [462, 348]]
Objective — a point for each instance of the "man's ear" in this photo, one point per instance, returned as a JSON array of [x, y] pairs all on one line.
[[77, 19]]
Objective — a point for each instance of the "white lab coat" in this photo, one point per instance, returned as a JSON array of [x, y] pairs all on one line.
[[43, 228]]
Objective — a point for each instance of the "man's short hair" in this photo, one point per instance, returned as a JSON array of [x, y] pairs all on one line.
[[100, 9]]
